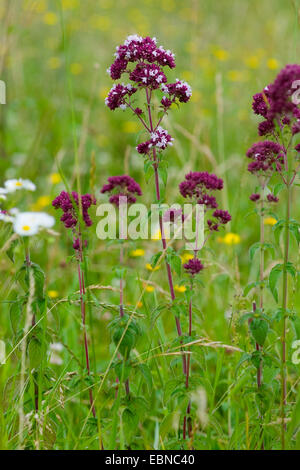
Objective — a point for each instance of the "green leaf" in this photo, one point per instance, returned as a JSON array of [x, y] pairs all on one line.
[[155, 259], [163, 173], [39, 280], [259, 330], [15, 316], [175, 263], [170, 424], [35, 353], [277, 188], [253, 249], [251, 286], [273, 280], [148, 170], [145, 370]]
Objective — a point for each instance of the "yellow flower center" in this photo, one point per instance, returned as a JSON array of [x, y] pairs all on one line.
[[18, 183], [26, 228]]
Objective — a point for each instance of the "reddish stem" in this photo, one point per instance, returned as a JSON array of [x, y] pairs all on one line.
[[164, 244]]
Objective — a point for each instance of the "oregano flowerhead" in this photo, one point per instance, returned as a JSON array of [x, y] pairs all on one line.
[[121, 186]]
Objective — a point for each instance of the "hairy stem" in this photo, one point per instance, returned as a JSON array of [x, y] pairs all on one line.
[[28, 264], [83, 318]]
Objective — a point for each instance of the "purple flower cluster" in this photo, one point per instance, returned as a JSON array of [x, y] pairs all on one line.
[[70, 214], [266, 156], [160, 139], [254, 197], [116, 96], [139, 49], [180, 90], [148, 75], [193, 267], [199, 186], [121, 186], [143, 61], [272, 198], [276, 102], [220, 218]]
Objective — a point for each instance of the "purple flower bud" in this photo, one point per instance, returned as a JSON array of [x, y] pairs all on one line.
[[193, 267], [254, 197], [272, 198]]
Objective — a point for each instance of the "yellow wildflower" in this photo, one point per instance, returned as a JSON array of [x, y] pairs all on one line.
[[139, 304], [270, 221], [55, 178], [221, 54], [138, 252], [272, 64], [231, 239], [52, 294], [179, 289], [150, 268], [43, 201], [186, 257], [149, 288], [50, 18]]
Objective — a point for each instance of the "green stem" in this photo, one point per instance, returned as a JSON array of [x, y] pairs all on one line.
[[284, 313]]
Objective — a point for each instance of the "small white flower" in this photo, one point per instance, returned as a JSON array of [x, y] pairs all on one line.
[[15, 184], [55, 359], [56, 347], [5, 217], [28, 223]]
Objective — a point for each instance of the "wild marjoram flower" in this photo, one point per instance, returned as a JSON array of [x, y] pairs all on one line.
[[143, 61], [278, 105], [122, 189], [75, 209], [199, 188], [267, 159]]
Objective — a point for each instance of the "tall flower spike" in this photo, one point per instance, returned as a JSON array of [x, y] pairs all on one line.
[[266, 156]]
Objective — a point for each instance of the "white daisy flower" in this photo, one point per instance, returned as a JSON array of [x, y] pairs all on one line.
[[12, 185], [27, 224]]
